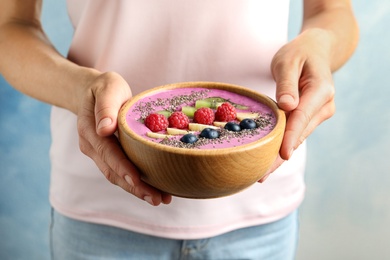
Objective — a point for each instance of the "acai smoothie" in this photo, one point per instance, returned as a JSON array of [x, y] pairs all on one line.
[[200, 118]]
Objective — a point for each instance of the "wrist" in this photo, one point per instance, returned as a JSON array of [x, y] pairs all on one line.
[[321, 43], [82, 87], [107, 88]]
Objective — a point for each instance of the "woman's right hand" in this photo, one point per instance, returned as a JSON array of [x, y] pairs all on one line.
[[98, 104], [31, 64]]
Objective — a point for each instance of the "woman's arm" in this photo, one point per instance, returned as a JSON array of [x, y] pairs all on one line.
[[31, 64], [335, 19], [303, 68]]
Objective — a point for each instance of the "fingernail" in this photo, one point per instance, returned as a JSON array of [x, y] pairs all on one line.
[[286, 99], [129, 180], [104, 122], [149, 200]]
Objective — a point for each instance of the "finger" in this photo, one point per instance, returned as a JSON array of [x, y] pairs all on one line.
[[286, 73], [278, 162], [306, 116], [110, 95], [325, 113], [113, 156], [166, 198], [115, 166]]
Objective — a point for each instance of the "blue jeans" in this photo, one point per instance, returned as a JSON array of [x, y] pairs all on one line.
[[73, 240]]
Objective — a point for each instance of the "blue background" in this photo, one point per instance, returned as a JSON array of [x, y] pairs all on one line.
[[346, 213]]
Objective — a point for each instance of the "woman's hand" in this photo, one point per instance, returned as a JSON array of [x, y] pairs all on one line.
[[93, 96], [303, 69], [97, 113], [304, 89]]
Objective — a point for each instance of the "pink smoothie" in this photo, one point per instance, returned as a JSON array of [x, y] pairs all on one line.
[[174, 100]]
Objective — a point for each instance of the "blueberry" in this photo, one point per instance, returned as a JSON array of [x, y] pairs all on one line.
[[189, 138], [209, 133], [248, 123], [234, 127]]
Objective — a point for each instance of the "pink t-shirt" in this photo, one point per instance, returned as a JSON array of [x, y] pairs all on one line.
[[151, 43]]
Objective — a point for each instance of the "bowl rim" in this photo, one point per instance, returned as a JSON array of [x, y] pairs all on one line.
[[280, 118]]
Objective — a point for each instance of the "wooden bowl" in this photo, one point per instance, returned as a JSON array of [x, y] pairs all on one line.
[[202, 173]]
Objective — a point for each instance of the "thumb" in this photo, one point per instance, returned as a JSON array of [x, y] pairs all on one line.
[[287, 78], [108, 101]]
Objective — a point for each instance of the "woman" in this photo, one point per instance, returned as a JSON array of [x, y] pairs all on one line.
[[121, 48]]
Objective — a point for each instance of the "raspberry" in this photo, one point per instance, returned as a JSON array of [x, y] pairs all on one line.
[[156, 122], [178, 120], [204, 115], [225, 113]]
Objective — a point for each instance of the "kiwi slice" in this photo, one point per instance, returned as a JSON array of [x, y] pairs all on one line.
[[188, 111], [214, 102], [166, 113], [203, 103]]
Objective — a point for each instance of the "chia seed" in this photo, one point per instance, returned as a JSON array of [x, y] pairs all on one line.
[[144, 108], [170, 105], [263, 122]]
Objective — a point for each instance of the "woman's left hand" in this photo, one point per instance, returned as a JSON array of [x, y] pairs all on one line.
[[304, 89]]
